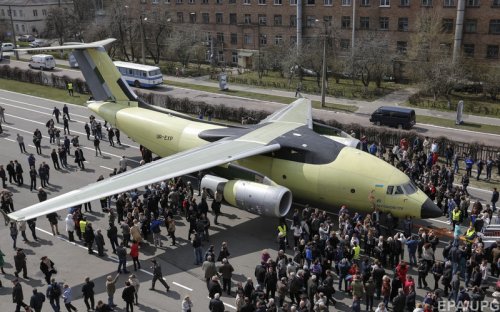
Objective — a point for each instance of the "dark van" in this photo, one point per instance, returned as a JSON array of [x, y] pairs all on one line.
[[393, 116]]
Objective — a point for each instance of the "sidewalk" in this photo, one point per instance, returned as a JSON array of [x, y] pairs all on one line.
[[396, 98]]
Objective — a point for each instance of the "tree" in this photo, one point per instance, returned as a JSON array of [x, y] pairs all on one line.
[[185, 44], [156, 26], [58, 23]]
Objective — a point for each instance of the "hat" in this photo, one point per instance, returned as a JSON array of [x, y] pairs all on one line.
[[40, 188]]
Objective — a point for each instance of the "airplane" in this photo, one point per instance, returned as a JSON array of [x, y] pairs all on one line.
[[256, 167]]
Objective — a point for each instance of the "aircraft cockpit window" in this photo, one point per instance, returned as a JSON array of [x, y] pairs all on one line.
[[390, 189], [399, 190], [409, 188]]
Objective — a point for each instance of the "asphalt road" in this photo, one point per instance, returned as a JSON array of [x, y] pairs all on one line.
[[346, 118], [247, 235]]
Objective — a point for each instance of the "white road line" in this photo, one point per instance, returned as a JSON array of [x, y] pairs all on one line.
[[182, 286], [41, 107], [10, 140], [463, 130], [106, 168], [40, 98]]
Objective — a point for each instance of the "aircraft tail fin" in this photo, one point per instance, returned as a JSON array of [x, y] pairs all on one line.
[[102, 76]]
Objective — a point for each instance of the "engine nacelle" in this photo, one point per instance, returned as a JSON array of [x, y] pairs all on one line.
[[258, 198]]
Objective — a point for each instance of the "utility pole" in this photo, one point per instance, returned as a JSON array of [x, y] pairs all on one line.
[[143, 52], [323, 71], [13, 34]]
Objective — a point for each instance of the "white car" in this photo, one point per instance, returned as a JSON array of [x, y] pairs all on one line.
[[38, 43], [7, 46]]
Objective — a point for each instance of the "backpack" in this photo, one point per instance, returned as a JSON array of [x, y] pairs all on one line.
[[55, 291]]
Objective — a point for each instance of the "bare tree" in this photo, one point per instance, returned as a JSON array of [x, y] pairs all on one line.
[[156, 26], [185, 44], [58, 23]]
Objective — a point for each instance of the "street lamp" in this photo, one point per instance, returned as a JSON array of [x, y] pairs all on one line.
[[323, 67], [143, 52]]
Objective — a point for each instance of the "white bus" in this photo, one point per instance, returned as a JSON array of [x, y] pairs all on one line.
[[139, 75]]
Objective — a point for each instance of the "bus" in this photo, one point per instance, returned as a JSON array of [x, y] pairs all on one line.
[[140, 76]]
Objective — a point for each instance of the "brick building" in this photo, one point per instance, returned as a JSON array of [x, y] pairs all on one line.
[[236, 29]]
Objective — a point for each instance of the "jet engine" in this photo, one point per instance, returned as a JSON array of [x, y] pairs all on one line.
[[258, 198]]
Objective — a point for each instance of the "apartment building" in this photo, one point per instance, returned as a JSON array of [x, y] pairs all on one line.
[[28, 16]]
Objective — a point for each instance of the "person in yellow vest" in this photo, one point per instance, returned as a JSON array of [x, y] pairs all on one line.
[[455, 217], [70, 88], [470, 234], [83, 225], [282, 234], [356, 253]]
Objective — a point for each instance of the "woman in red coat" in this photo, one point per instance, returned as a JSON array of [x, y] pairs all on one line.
[[134, 253]]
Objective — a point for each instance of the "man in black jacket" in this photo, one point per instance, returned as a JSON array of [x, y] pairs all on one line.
[[399, 302], [37, 300], [216, 305], [88, 293], [18, 296], [128, 295]]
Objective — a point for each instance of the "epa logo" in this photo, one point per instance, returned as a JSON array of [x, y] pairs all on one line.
[[471, 306]]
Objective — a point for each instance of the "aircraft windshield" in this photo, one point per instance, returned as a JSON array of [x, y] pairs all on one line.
[[408, 189]]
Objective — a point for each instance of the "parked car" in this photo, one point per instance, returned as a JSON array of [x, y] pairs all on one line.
[[42, 61], [38, 43], [393, 116], [7, 46], [26, 38]]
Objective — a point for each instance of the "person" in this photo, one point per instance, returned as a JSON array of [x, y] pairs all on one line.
[[66, 125], [37, 300], [157, 275], [111, 134], [111, 289], [117, 136], [79, 158], [186, 304], [121, 252], [70, 89], [32, 227], [55, 160], [128, 296], [53, 293], [215, 304], [209, 268], [20, 263], [18, 296], [465, 183], [123, 164], [13, 233], [135, 282], [67, 298], [298, 89], [2, 262], [56, 112], [19, 173], [3, 176], [11, 171], [87, 130], [112, 234], [2, 114], [97, 142], [99, 242], [47, 268], [70, 227], [88, 293], [134, 253], [494, 199], [226, 270], [33, 176]]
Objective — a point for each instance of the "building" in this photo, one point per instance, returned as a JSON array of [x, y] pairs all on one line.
[[29, 16]]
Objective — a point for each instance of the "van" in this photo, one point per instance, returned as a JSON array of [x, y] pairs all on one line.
[[393, 116], [42, 61]]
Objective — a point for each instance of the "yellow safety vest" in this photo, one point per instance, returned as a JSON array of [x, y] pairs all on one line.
[[70, 86], [83, 224], [468, 234], [456, 215], [357, 251], [282, 230]]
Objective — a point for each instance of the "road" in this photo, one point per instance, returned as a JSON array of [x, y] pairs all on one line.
[[257, 105], [246, 234]]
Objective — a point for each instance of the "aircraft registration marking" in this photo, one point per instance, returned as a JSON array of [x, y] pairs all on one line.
[[164, 137]]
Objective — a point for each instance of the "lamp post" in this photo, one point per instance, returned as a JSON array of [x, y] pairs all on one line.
[[143, 52], [323, 66]]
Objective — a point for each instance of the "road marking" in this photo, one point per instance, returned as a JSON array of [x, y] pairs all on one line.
[[182, 286], [9, 139], [38, 106], [463, 130], [40, 98], [107, 168]]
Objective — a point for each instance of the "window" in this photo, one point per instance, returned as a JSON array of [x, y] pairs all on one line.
[[278, 2], [390, 189], [278, 40], [248, 39], [278, 20], [35, 13], [492, 51], [218, 1], [496, 3], [399, 190], [14, 13], [495, 26], [167, 1], [447, 25], [365, 3], [234, 57], [364, 22], [311, 2], [345, 22], [403, 24], [234, 38], [263, 40], [248, 19], [220, 37], [468, 50], [404, 3], [218, 18], [178, 1], [310, 21], [385, 3], [220, 56], [262, 2], [20, 13], [345, 44], [191, 2], [262, 19], [328, 2], [233, 19], [23, 28], [205, 18], [328, 20], [180, 17], [470, 26], [427, 3], [155, 1], [293, 39], [293, 20], [449, 3], [293, 2], [384, 23], [346, 2], [472, 3], [246, 2], [401, 47], [232, 1], [192, 18]]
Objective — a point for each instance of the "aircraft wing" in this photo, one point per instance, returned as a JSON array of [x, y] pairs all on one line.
[[256, 142]]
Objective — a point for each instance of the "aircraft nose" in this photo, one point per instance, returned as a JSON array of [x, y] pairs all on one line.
[[430, 210]]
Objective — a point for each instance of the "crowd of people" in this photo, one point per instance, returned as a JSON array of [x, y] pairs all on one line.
[[319, 256]]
